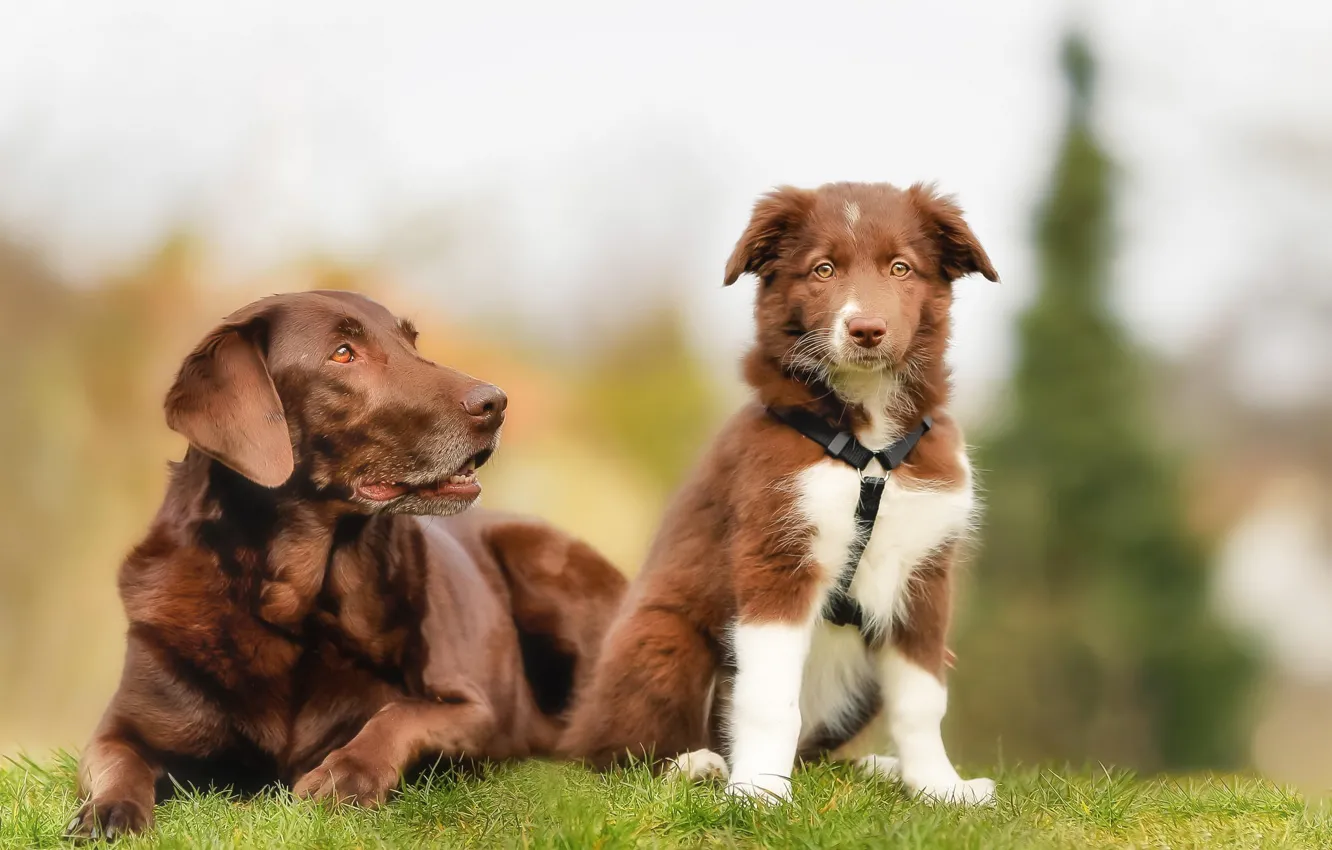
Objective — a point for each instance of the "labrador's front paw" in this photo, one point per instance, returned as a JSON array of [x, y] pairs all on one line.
[[346, 777], [108, 819]]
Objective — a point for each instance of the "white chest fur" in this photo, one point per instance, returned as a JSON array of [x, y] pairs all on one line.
[[914, 520]]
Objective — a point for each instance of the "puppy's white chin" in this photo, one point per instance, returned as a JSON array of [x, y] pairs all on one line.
[[864, 367]]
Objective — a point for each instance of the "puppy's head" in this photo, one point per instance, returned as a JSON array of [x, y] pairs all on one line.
[[854, 276], [324, 393]]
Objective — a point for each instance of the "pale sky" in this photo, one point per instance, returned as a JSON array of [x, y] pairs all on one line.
[[559, 149]]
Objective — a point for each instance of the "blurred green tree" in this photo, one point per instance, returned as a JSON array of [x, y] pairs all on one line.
[[1087, 636], [649, 396]]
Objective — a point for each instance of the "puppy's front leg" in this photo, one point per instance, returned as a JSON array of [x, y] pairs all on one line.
[[778, 594], [458, 723], [765, 706], [915, 698]]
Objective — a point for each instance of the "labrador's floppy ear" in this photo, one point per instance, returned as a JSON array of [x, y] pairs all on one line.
[[960, 252], [774, 214], [225, 404]]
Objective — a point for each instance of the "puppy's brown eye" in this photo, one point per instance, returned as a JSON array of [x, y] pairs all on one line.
[[900, 269], [343, 354], [824, 270]]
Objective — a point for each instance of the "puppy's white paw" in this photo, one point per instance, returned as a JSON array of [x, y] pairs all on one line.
[[698, 766], [887, 767], [764, 788], [964, 792]]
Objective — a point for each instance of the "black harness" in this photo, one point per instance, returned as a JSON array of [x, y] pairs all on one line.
[[842, 610]]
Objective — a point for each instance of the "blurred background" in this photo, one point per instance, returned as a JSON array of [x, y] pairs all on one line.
[[550, 192]]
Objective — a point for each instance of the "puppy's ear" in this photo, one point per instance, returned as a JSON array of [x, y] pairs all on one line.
[[225, 404], [960, 252], [774, 214]]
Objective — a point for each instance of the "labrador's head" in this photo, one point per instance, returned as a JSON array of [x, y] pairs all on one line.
[[325, 393]]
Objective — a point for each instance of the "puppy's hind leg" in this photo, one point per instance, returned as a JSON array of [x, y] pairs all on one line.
[[649, 694], [698, 766], [867, 750]]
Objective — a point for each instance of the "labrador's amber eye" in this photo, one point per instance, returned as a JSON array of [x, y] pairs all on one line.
[[900, 269], [343, 354], [824, 270]]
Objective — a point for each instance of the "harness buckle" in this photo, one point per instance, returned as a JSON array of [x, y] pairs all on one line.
[[838, 444]]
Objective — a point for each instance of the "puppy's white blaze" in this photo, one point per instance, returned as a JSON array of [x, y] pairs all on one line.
[[852, 210], [914, 706], [765, 708], [839, 333]]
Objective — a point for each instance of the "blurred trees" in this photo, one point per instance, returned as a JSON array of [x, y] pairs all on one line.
[[29, 301], [83, 453], [651, 397], [1087, 635]]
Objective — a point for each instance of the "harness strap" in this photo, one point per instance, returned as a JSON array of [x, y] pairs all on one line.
[[843, 445], [842, 609], [838, 444]]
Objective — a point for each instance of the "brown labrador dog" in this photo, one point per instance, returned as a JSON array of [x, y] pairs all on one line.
[[291, 616]]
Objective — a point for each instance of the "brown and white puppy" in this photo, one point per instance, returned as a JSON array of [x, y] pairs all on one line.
[[852, 324], [290, 620]]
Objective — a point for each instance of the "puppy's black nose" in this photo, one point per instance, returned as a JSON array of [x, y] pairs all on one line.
[[485, 403]]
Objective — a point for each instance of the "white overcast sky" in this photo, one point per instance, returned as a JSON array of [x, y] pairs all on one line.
[[548, 130]]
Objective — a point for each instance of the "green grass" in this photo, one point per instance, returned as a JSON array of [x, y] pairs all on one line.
[[546, 805]]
